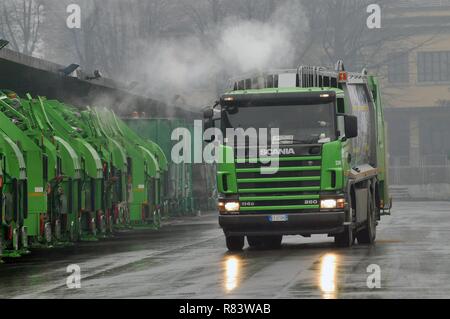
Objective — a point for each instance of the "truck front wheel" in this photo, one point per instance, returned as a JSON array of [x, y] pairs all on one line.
[[273, 242], [235, 243], [255, 241], [265, 242], [346, 238]]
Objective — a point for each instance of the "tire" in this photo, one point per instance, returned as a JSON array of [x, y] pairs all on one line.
[[235, 243], [345, 239], [255, 241], [369, 233], [273, 242], [265, 242]]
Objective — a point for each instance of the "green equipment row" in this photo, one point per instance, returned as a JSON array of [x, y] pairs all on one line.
[[68, 174]]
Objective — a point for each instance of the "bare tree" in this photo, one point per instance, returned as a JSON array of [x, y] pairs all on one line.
[[261, 10], [85, 39], [20, 23], [339, 32], [205, 15], [126, 31], [152, 18]]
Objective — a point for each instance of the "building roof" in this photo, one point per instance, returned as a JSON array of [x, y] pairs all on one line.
[[25, 74]]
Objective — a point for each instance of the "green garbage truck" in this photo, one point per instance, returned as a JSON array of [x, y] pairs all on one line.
[[319, 168]]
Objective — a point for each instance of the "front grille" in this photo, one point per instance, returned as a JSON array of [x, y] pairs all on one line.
[[279, 193], [293, 188], [290, 202], [281, 211], [312, 173], [270, 184], [313, 161]]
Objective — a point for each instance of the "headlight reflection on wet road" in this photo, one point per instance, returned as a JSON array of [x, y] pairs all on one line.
[[231, 273], [327, 279]]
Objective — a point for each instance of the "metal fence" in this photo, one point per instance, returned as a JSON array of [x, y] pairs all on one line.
[[429, 169]]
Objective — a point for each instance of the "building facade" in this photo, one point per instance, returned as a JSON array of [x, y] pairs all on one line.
[[416, 80]]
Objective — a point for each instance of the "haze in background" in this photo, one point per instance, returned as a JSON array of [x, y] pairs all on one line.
[[181, 52], [198, 71]]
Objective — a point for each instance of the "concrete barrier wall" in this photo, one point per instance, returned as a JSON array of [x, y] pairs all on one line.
[[439, 192]]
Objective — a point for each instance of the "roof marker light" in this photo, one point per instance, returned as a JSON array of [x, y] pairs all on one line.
[[343, 76]]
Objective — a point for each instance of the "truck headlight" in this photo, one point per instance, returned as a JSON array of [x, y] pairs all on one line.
[[232, 206], [332, 203], [229, 207], [328, 204]]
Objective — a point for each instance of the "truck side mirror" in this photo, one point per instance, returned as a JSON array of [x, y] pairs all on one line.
[[351, 126]]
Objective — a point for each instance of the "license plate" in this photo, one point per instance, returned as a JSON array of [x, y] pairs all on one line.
[[278, 218]]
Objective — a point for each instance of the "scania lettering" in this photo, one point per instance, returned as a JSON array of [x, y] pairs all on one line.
[[277, 152]]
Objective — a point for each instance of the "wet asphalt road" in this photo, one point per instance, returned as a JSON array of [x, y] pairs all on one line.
[[188, 259]]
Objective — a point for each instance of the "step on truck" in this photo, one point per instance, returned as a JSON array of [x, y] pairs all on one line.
[[329, 149]]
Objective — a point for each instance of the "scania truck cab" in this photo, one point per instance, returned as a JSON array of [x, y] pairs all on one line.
[[317, 164]]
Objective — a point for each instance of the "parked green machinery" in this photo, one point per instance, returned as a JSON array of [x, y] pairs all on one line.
[[156, 164], [323, 172], [177, 183], [68, 174], [133, 166], [39, 156], [64, 185], [122, 190], [77, 165], [13, 199], [104, 164]]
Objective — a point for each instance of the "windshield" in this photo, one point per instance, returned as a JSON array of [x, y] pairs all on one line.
[[297, 124]]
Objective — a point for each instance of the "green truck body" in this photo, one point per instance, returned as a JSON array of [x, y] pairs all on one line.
[[144, 180], [34, 149], [69, 175], [330, 156], [14, 199], [176, 184]]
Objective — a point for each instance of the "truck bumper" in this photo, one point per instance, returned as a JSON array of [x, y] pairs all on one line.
[[297, 224]]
